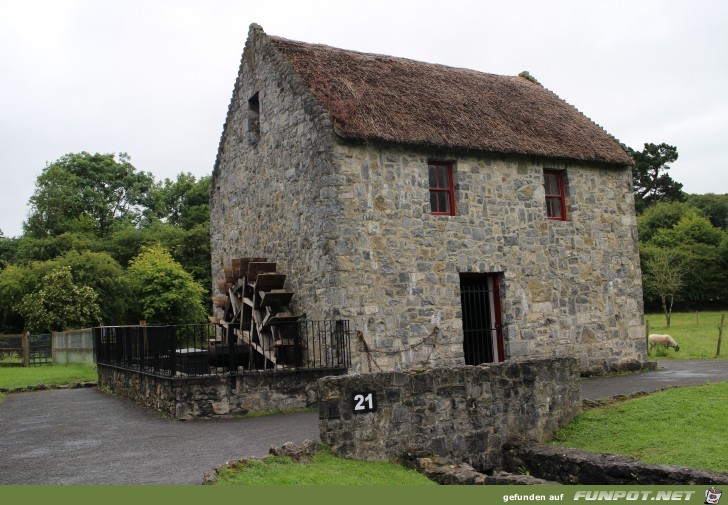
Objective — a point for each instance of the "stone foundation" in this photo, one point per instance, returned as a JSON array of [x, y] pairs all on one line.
[[465, 413], [572, 466], [215, 395]]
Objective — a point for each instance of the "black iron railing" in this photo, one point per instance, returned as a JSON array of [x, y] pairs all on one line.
[[191, 350]]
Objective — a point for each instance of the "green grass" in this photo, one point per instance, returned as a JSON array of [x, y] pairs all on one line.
[[684, 426], [324, 469], [19, 377], [695, 332], [10, 357]]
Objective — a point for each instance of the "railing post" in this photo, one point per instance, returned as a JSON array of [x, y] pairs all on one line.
[[171, 339]]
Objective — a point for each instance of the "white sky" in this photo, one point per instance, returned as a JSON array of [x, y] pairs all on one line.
[[153, 78]]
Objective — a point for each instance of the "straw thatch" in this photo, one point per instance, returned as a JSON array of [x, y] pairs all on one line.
[[375, 97]]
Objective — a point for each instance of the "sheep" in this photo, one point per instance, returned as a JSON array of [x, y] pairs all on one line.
[[664, 340]]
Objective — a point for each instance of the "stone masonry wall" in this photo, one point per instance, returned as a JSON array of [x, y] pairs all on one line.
[[568, 288], [214, 395], [270, 193], [572, 466], [466, 413]]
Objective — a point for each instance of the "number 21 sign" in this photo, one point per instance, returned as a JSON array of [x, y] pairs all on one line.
[[363, 402]]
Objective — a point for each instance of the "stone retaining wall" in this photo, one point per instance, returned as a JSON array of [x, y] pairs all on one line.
[[466, 413], [215, 395], [572, 466]]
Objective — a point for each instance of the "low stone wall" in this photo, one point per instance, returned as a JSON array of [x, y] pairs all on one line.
[[215, 395], [281, 390], [572, 466], [465, 413]]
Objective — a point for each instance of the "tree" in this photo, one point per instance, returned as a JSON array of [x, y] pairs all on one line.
[[100, 272], [664, 279], [712, 206], [87, 191], [697, 246], [59, 304], [649, 175], [184, 202], [662, 215], [8, 248], [164, 292]]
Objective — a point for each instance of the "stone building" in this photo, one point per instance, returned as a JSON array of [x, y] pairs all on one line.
[[453, 216]]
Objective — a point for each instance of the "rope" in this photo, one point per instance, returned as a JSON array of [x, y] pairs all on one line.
[[389, 352]]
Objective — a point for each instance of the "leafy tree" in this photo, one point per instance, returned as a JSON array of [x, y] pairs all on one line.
[[102, 273], [712, 206], [31, 248], [662, 215], [164, 292], [59, 304], [184, 202], [664, 279], [8, 248], [87, 191], [691, 229], [651, 181], [697, 246]]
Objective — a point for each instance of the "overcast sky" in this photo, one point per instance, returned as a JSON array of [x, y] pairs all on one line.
[[153, 78]]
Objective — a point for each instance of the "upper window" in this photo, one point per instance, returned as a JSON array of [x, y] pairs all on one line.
[[254, 118], [553, 183], [442, 194]]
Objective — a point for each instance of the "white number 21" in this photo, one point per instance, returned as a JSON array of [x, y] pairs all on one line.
[[363, 402]]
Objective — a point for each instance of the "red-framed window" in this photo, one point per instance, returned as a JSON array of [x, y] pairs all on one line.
[[442, 193], [553, 183]]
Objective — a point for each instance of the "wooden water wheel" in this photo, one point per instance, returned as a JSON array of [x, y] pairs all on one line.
[[256, 314]]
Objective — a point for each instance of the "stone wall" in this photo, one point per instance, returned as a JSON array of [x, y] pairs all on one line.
[[215, 395], [568, 288], [465, 413], [270, 193], [572, 466]]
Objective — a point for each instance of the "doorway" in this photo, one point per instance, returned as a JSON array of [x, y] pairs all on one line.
[[482, 331]]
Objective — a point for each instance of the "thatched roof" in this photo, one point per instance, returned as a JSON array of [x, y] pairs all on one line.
[[375, 97]]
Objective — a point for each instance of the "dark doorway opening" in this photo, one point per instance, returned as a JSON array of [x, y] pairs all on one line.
[[482, 331]]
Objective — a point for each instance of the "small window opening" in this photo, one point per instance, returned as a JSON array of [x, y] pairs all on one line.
[[442, 193], [553, 184], [254, 118]]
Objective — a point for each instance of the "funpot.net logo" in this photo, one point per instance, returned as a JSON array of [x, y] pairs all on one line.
[[620, 495]]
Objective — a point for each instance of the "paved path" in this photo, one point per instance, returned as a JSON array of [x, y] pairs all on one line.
[[668, 373], [82, 436]]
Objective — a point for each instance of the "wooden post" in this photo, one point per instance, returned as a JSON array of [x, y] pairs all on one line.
[[720, 334], [26, 349], [54, 353], [647, 335]]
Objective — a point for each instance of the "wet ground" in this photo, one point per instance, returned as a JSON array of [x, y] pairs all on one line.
[[668, 374], [83, 436]]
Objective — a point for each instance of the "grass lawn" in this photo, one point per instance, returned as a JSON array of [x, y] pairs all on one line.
[[324, 469], [18, 377], [695, 332], [684, 426]]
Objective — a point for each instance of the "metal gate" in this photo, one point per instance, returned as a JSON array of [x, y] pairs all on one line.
[[40, 349], [482, 335]]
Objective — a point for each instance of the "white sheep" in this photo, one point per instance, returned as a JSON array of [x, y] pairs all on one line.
[[664, 340]]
